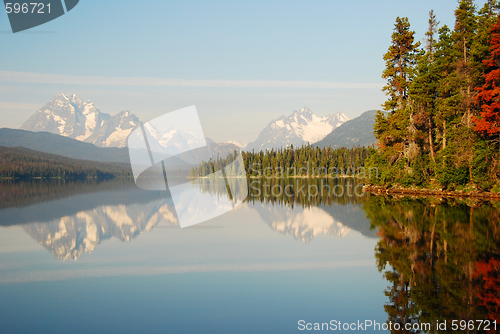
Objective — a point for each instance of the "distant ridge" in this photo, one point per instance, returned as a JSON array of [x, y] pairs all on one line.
[[353, 133], [20, 162], [60, 145]]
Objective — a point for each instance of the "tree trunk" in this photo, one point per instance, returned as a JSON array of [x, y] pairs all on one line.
[[467, 98], [431, 145]]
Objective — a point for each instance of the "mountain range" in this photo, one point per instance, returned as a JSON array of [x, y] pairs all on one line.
[[68, 116], [300, 128], [69, 127]]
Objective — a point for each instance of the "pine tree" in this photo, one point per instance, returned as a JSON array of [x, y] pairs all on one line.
[[394, 131], [400, 60], [423, 91], [465, 29]]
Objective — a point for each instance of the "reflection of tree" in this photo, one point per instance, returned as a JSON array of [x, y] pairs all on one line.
[[488, 297], [440, 257], [24, 193], [295, 191]]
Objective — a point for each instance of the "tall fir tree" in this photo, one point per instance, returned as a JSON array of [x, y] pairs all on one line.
[[395, 130]]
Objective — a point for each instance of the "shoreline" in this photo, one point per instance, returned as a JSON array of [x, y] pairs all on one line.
[[395, 190], [280, 177]]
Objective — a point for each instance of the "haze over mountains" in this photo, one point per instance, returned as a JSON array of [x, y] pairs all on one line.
[[69, 127], [72, 128]]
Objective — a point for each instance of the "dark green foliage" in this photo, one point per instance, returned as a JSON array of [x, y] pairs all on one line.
[[428, 137], [17, 162], [289, 162]]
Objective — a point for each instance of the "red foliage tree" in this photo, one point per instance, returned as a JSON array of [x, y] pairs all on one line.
[[489, 94]]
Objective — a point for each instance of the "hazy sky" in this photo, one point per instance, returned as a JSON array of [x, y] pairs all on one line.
[[242, 63]]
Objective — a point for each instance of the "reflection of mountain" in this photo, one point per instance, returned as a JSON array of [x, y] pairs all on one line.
[[302, 223], [353, 216], [69, 226], [305, 223], [320, 211], [93, 212], [48, 201], [70, 236]]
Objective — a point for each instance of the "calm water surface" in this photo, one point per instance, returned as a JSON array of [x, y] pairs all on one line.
[[107, 257]]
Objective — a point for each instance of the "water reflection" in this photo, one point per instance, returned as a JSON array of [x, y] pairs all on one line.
[[70, 236], [441, 258], [69, 219], [306, 208]]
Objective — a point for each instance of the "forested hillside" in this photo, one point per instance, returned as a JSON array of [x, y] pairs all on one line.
[[60, 145], [17, 162], [442, 126]]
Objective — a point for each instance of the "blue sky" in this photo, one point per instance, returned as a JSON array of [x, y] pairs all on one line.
[[242, 63]]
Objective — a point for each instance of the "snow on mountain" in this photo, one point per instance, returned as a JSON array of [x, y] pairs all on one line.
[[114, 132], [68, 116], [172, 141], [301, 127], [241, 145]]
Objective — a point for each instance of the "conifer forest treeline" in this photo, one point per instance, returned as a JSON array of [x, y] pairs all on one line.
[[440, 127]]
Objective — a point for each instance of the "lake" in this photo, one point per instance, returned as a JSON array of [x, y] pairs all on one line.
[[108, 257]]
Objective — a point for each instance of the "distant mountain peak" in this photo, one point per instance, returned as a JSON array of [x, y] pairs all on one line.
[[301, 127], [68, 116], [304, 110]]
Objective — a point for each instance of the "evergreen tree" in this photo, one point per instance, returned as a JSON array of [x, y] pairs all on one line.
[[400, 61]]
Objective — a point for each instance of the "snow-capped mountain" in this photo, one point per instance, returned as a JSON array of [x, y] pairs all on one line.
[[301, 127], [68, 116]]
